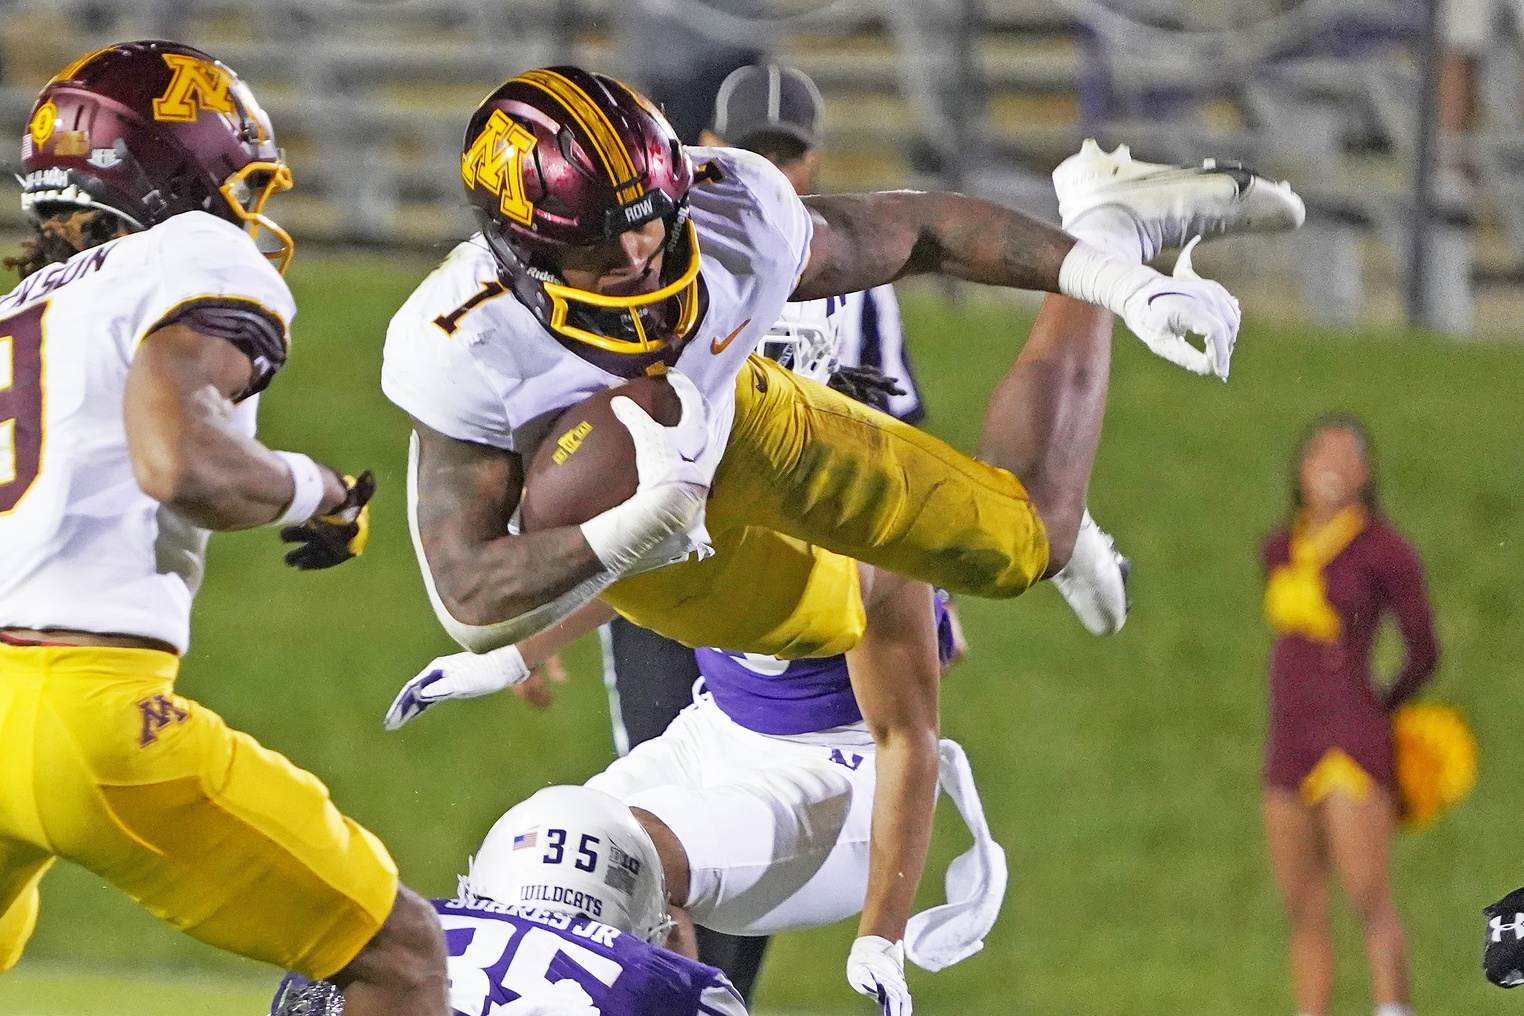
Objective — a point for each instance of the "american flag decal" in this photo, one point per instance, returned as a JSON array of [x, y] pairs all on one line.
[[523, 841]]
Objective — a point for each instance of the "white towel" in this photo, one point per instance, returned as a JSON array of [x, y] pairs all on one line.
[[955, 930]]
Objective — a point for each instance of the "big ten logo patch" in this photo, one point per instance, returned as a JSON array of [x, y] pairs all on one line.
[[196, 85], [569, 442], [623, 870], [156, 713]]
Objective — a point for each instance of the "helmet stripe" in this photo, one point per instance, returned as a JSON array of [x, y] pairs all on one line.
[[67, 74], [594, 122]]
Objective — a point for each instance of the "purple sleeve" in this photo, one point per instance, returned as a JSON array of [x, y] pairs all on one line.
[[1400, 578], [253, 330]]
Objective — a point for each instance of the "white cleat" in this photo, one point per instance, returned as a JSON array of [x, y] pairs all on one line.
[[1094, 582], [1171, 204]]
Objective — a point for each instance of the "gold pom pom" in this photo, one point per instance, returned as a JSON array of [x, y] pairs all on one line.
[[1436, 760]]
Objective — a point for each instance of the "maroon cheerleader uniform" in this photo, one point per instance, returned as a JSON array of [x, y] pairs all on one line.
[[1322, 697]]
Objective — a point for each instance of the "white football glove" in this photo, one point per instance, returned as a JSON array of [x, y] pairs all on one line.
[[667, 454], [652, 528], [876, 968], [1159, 309], [461, 676], [564, 998]]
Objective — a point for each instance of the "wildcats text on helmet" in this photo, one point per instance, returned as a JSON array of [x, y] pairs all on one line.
[[592, 906]]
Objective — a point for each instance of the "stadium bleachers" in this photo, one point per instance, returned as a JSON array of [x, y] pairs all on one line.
[[369, 99]]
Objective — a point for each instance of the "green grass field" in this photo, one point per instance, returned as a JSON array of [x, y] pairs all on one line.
[[1120, 774]]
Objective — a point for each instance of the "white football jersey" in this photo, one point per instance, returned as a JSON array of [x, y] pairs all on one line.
[[499, 376], [81, 546]]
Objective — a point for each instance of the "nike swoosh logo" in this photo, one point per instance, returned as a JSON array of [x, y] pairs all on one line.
[[1156, 296], [717, 346]]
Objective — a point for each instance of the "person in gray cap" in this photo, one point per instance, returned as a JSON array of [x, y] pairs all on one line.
[[775, 111]]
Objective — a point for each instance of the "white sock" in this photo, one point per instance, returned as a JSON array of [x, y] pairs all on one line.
[[1394, 1009], [1117, 232]]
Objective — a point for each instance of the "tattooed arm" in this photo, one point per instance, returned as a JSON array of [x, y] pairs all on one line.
[[465, 494], [865, 240]]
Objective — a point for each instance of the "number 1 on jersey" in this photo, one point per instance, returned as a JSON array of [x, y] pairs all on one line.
[[20, 404]]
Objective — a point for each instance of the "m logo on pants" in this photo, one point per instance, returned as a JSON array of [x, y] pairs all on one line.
[[158, 712]]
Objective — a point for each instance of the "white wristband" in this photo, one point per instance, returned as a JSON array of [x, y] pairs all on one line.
[[1090, 274], [625, 533], [307, 477]]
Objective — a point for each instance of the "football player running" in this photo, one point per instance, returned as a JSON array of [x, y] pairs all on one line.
[[145, 325], [793, 794], [608, 250], [562, 913]]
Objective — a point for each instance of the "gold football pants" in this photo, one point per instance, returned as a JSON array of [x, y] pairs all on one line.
[[811, 479], [103, 764]]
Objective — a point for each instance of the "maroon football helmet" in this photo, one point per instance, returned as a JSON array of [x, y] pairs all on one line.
[[146, 130], [560, 157]]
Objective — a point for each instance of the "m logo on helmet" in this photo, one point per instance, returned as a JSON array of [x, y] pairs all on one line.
[[495, 163], [196, 85]]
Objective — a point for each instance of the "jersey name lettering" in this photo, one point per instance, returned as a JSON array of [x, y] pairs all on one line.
[[54, 276]]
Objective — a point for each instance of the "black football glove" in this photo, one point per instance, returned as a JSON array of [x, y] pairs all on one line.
[[327, 540], [1503, 945], [867, 385]]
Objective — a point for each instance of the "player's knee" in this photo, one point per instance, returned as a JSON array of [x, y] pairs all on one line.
[[407, 955], [676, 874]]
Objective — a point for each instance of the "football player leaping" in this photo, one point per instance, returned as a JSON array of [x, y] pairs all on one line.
[[609, 250], [133, 351], [604, 254]]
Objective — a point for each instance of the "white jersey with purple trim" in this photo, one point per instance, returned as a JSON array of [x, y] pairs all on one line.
[[499, 377], [81, 546], [871, 335], [860, 329]]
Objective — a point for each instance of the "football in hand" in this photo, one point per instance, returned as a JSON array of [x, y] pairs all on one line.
[[586, 464]]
